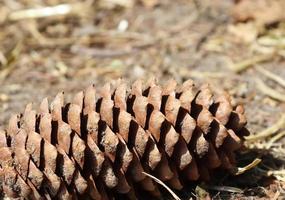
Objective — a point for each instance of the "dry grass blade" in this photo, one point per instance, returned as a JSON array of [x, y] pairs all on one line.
[[268, 131], [269, 91], [272, 76], [243, 65], [241, 170], [162, 184]]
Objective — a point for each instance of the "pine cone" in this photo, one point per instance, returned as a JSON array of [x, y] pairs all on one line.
[[98, 146]]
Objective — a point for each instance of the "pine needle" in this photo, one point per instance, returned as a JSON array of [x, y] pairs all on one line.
[[268, 131], [274, 139], [162, 184], [272, 76], [223, 188], [269, 91]]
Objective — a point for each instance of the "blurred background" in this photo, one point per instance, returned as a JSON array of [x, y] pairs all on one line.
[[47, 46]]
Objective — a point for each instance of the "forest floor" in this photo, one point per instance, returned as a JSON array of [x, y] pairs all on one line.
[[238, 46]]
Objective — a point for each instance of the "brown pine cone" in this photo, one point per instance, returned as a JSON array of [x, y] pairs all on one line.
[[97, 147]]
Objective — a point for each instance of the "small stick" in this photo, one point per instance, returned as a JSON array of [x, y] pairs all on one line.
[[269, 91], [241, 170], [268, 131], [163, 184], [272, 76]]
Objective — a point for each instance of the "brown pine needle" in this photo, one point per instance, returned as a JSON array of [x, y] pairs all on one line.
[[269, 131], [163, 184], [269, 91], [272, 76], [241, 170]]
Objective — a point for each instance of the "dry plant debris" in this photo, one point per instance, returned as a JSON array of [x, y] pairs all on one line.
[[262, 11], [180, 39], [106, 143]]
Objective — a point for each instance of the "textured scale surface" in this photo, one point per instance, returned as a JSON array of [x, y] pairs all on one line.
[[98, 145]]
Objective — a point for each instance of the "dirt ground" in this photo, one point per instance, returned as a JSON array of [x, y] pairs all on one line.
[[237, 45]]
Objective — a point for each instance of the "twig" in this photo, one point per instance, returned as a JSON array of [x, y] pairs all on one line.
[[241, 170], [163, 184], [241, 66], [269, 131], [272, 76], [269, 91]]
